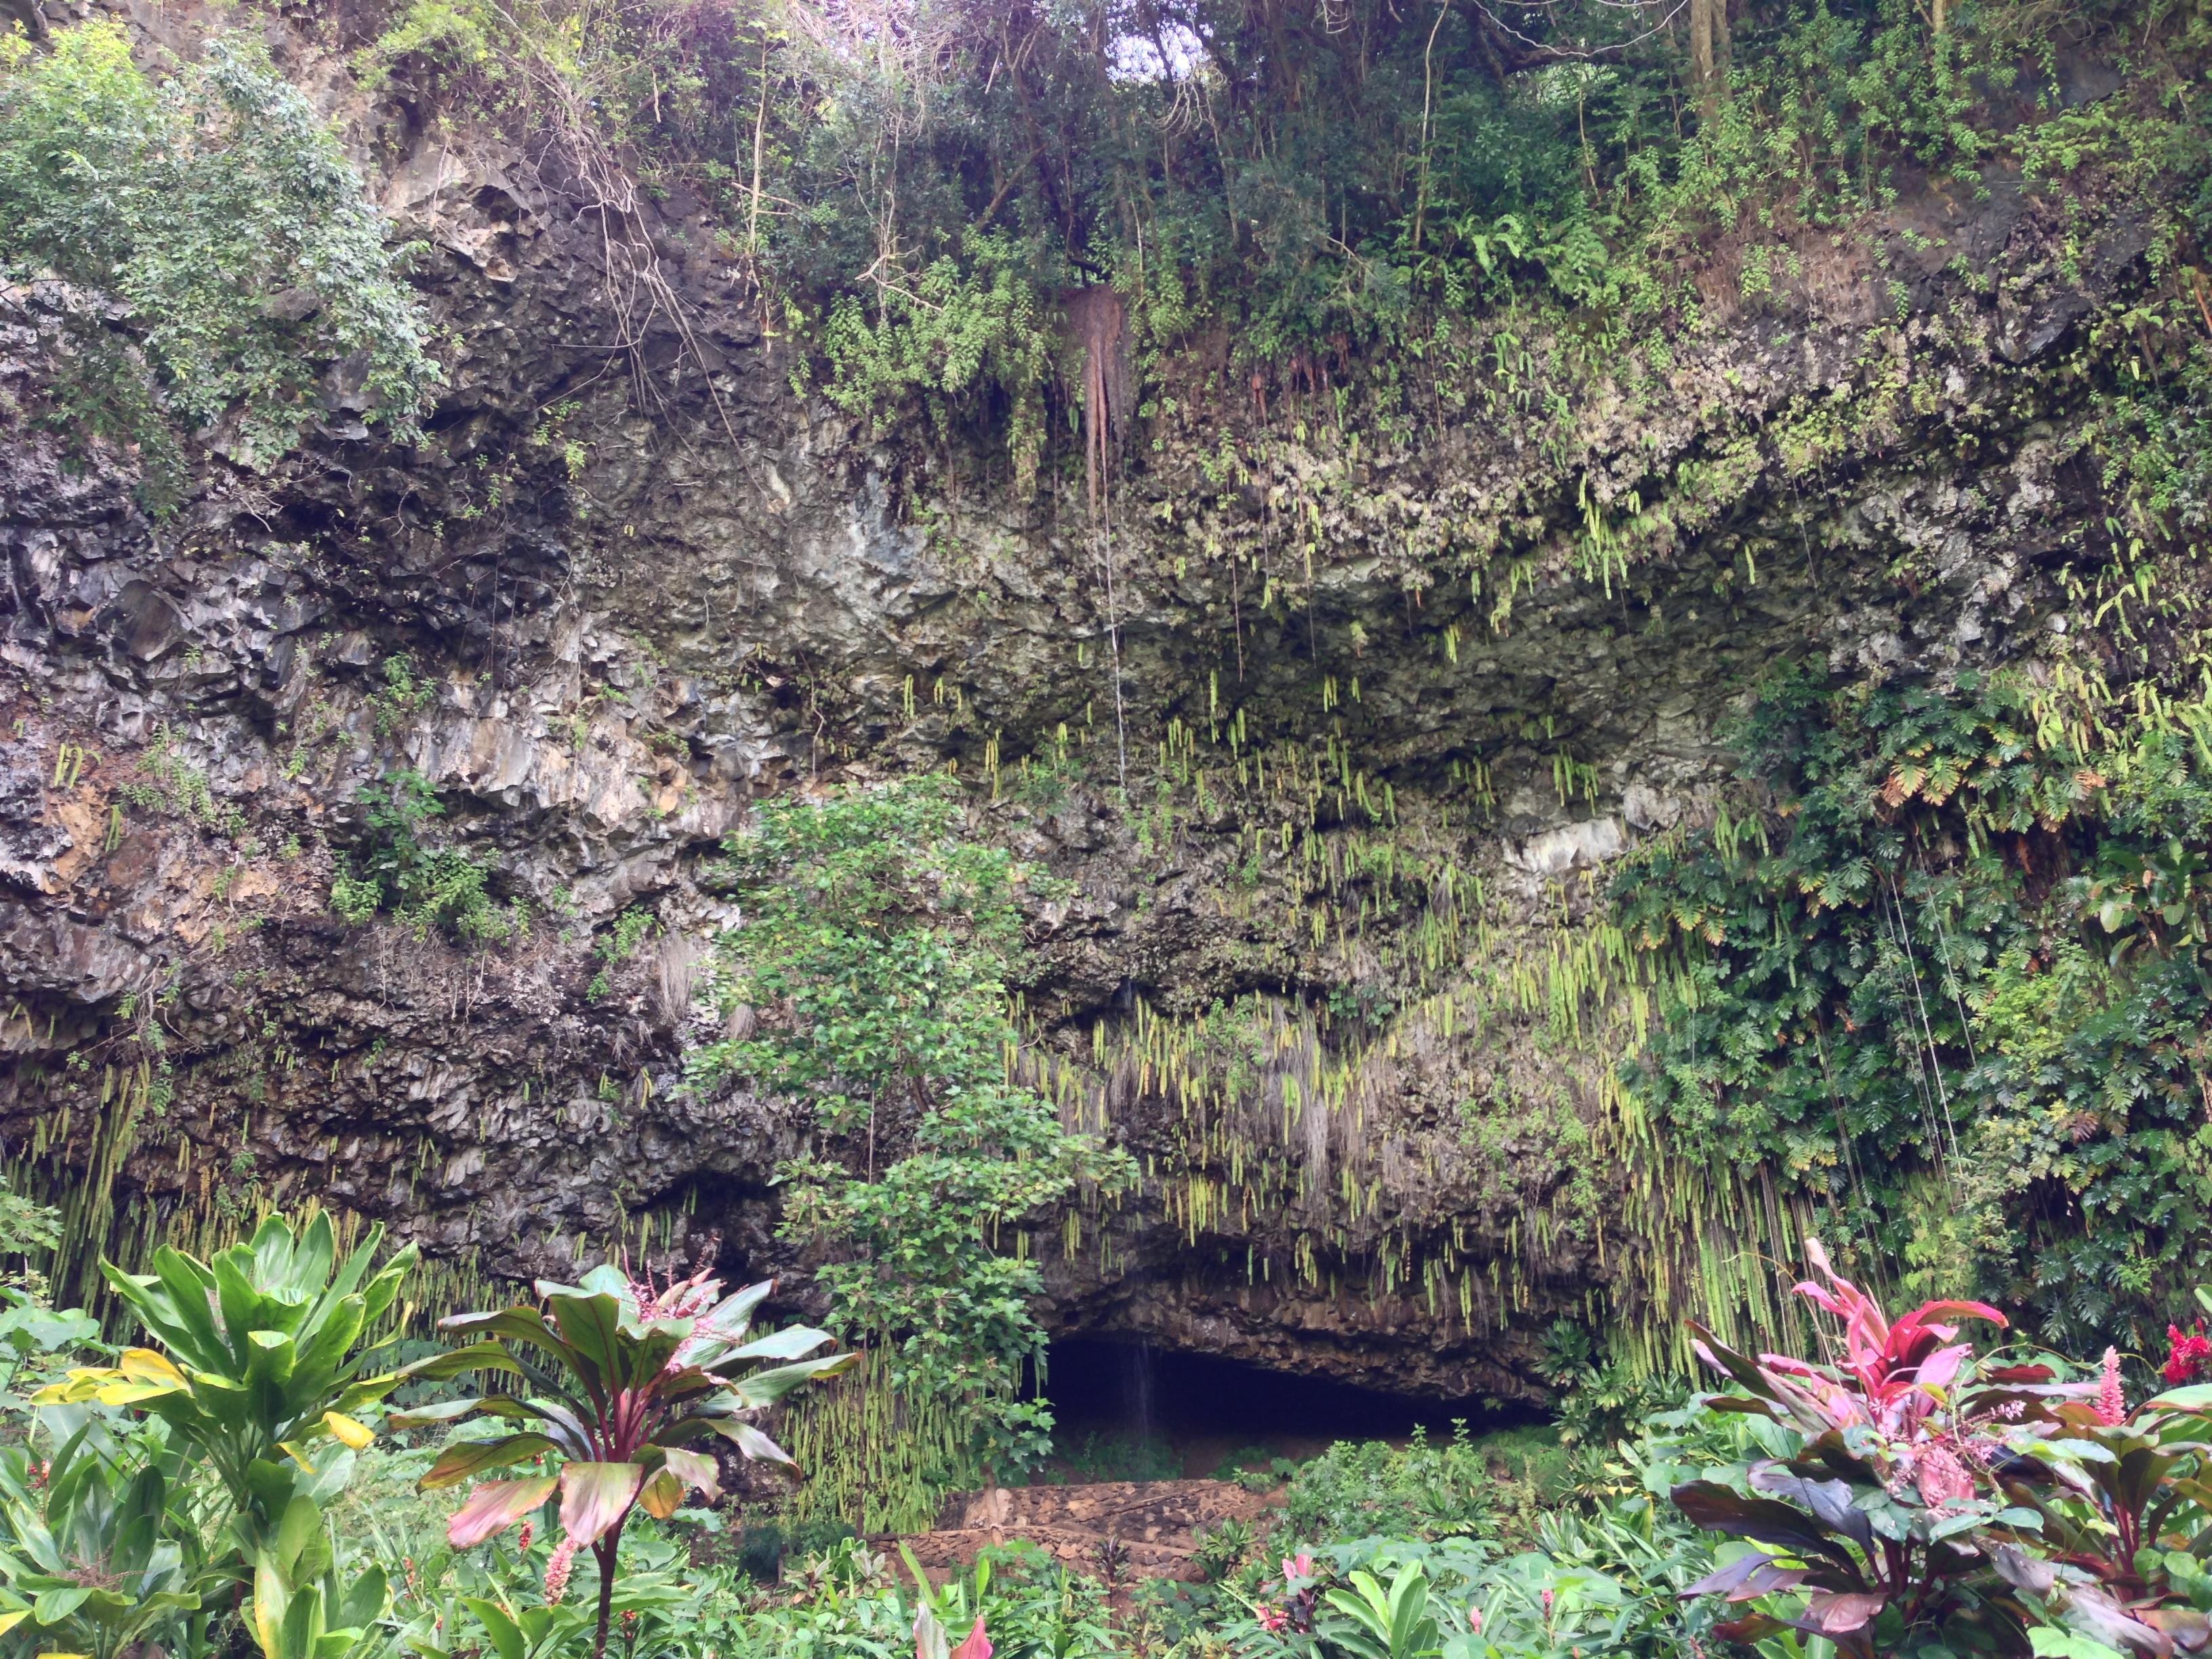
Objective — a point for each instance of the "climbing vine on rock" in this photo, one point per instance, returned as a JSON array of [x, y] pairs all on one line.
[[1946, 978]]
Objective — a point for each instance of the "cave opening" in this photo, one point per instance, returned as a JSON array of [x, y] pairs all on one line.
[[1126, 1409]]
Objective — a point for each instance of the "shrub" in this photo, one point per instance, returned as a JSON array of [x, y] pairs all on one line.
[[421, 887], [218, 207], [1372, 1489]]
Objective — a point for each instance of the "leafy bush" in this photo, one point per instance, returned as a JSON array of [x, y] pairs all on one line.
[[1372, 1489], [217, 207], [420, 887], [1917, 1499], [877, 939]]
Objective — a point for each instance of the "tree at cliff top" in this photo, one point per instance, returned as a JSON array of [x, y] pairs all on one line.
[[225, 254], [921, 185], [868, 980]]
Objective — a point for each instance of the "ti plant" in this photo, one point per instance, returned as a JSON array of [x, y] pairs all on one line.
[[625, 1383], [1928, 1501], [1872, 1516]]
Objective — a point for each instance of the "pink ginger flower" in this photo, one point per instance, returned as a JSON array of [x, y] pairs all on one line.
[[1474, 1620], [522, 1539], [2111, 1402], [1272, 1619], [557, 1570]]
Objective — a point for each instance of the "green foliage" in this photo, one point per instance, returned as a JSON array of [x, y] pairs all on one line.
[[265, 1344], [401, 697], [221, 211], [29, 1232], [1364, 1489], [1360, 198], [957, 327], [266, 1362], [420, 887], [90, 1552], [872, 962], [1887, 990]]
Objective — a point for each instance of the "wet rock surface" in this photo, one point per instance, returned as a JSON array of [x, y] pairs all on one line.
[[629, 596]]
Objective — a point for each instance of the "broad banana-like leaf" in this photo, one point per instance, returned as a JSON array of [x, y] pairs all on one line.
[[506, 1635], [766, 1387], [792, 1342], [755, 1444], [695, 1469], [451, 1411], [661, 1495], [592, 1327]]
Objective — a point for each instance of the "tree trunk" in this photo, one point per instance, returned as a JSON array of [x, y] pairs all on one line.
[[1709, 41]]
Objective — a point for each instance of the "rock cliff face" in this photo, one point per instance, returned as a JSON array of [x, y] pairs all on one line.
[[1389, 704]]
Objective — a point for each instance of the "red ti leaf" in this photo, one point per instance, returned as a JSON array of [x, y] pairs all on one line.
[[494, 1507], [594, 1496]]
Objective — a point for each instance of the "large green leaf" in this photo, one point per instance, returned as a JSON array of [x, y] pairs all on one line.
[[753, 1443], [506, 1635], [525, 1325], [464, 1458], [595, 1495], [591, 1325], [486, 1356], [449, 1411], [792, 1342], [766, 1387]]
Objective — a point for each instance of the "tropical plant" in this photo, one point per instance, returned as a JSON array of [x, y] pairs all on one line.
[[89, 1556], [1874, 1509], [1924, 1500], [626, 1380], [877, 940], [265, 1354], [1368, 1621]]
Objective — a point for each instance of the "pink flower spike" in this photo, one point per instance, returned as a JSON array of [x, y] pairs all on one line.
[[1474, 1620], [557, 1570], [2112, 1400]]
